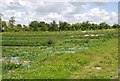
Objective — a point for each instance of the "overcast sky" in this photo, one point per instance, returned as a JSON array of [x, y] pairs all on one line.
[[71, 11]]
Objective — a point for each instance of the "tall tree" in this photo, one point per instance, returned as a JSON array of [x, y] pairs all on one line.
[[94, 26], [84, 25], [1, 21], [64, 26], [4, 26], [34, 25], [116, 26], [53, 26], [76, 26], [11, 22], [104, 25], [18, 27], [26, 28], [43, 26]]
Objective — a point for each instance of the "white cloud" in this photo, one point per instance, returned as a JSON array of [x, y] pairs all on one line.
[[97, 15], [54, 16], [69, 9], [25, 11], [75, 0]]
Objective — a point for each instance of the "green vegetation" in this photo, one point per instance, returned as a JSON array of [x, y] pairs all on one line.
[[54, 26], [91, 54]]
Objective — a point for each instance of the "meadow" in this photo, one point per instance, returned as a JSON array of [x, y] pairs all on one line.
[[89, 54]]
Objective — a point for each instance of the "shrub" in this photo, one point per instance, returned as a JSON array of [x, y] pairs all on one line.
[[50, 42]]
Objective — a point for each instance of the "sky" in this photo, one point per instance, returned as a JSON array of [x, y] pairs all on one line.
[[72, 11]]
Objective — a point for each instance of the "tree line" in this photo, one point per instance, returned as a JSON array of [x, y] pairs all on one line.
[[53, 26]]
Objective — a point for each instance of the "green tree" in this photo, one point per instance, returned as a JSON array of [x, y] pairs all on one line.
[[61, 25], [116, 26], [67, 26], [103, 25], [64, 26], [4, 26], [94, 26], [1, 21], [34, 25], [26, 28], [85, 25], [11, 22], [43, 26], [53, 26], [18, 27], [76, 26]]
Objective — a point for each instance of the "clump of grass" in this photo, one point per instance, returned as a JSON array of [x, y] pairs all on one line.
[[9, 66], [50, 42]]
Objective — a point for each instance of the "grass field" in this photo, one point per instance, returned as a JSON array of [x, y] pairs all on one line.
[[60, 55]]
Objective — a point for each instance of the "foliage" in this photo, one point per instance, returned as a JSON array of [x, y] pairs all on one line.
[[64, 26], [53, 26], [4, 24], [34, 25], [74, 55], [18, 28], [11, 22], [43, 26], [50, 42], [103, 25], [10, 66], [116, 26]]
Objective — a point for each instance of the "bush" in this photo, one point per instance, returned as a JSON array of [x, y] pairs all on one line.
[[50, 42]]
